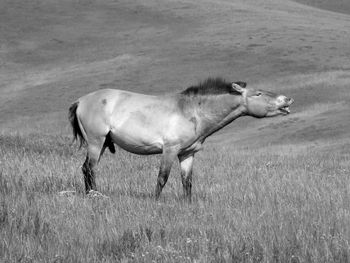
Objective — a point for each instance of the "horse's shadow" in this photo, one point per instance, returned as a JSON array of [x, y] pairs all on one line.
[[166, 196], [140, 195], [137, 194]]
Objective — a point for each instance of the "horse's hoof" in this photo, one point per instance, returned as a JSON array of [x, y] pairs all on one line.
[[96, 194]]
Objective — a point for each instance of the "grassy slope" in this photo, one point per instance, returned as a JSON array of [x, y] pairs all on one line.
[[72, 48], [341, 6], [280, 187]]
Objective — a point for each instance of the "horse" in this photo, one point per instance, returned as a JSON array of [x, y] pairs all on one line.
[[173, 125]]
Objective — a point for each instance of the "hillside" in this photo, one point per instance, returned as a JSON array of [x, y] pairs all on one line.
[[341, 6], [53, 53]]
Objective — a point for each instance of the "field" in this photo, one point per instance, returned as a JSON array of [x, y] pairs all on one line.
[[267, 190]]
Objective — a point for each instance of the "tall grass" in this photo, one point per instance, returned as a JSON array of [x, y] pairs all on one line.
[[284, 203]]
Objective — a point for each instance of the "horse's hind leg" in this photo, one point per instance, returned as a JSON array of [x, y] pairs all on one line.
[[89, 174], [93, 155]]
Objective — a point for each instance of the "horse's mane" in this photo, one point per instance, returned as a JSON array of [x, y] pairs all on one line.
[[210, 86]]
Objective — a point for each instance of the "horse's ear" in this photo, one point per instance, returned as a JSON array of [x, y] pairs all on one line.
[[237, 87], [241, 83]]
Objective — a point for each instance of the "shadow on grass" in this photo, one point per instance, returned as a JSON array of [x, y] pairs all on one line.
[[165, 197]]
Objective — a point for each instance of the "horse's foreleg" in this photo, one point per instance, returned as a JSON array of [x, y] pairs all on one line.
[[168, 157], [92, 158], [186, 163]]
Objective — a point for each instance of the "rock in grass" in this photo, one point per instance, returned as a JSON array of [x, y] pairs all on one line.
[[96, 194], [67, 193]]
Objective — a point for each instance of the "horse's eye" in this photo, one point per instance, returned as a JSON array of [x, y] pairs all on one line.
[[258, 93]]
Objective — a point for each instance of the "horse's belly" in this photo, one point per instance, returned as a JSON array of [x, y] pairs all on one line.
[[137, 144]]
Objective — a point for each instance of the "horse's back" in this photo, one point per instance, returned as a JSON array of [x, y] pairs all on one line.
[[107, 99]]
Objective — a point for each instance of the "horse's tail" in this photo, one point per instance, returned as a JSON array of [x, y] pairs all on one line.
[[74, 121]]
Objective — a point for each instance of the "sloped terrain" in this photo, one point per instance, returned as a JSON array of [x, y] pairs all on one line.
[[53, 53], [341, 6]]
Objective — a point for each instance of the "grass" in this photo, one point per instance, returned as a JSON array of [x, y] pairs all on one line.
[[273, 204]]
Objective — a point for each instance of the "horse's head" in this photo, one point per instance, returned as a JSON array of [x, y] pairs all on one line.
[[260, 103]]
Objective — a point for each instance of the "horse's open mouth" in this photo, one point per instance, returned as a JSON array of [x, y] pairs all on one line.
[[285, 110]]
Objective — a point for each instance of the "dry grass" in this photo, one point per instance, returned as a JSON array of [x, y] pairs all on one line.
[[274, 204]]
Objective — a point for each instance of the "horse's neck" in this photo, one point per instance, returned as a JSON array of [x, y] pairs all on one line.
[[216, 112]]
